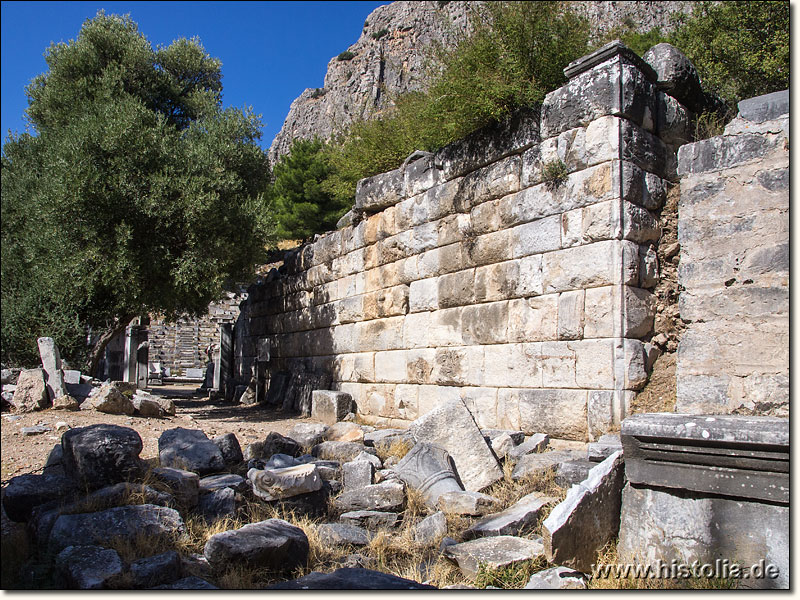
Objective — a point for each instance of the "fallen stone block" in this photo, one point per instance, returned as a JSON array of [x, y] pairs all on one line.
[[467, 503], [516, 436], [329, 406], [371, 519], [218, 504], [588, 518], [190, 449], [493, 553], [350, 579], [357, 474], [155, 570], [535, 443], [99, 455], [341, 451], [71, 376], [342, 534], [431, 529], [273, 544], [224, 480], [275, 484], [537, 464], [452, 427], [25, 492], [501, 445], [149, 405], [184, 485], [109, 399], [31, 392], [51, 362], [344, 431], [518, 519], [557, 578], [384, 438], [430, 470], [66, 403], [230, 448], [127, 522], [387, 496], [274, 443], [604, 447], [573, 471], [308, 434], [87, 567]]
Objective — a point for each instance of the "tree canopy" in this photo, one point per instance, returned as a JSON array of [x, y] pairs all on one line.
[[134, 191]]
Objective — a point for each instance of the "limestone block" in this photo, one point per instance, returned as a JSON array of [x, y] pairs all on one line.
[[490, 182], [542, 235], [649, 273], [423, 295], [419, 365], [31, 391], [412, 211], [406, 399], [407, 270], [458, 366], [482, 403], [647, 151], [486, 217], [674, 122], [452, 229], [388, 302], [496, 282], [490, 248], [677, 76], [558, 365], [433, 396], [634, 361], [457, 289], [513, 365], [467, 503], [390, 366], [330, 406], [588, 518], [51, 362], [494, 552], [571, 315], [420, 173], [380, 191], [424, 237], [350, 309], [345, 338], [416, 327], [562, 413], [381, 334], [485, 323], [452, 427], [572, 228], [395, 247], [443, 199], [531, 276], [592, 265], [518, 519], [429, 263], [533, 319], [379, 400]]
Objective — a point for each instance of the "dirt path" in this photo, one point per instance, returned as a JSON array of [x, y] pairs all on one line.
[[28, 453]]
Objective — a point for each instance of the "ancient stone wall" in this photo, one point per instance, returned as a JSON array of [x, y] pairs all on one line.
[[182, 345], [734, 265], [478, 273]]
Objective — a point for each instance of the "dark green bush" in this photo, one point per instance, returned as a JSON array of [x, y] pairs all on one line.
[[346, 55], [379, 34]]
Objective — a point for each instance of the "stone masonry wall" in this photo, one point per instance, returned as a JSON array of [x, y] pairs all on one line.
[[469, 274], [734, 234]]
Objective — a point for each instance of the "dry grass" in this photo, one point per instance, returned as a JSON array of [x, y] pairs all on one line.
[[398, 448], [512, 577]]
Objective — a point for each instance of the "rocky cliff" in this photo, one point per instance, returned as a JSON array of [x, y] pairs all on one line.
[[390, 54]]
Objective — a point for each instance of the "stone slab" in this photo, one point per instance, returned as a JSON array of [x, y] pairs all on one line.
[[517, 519], [493, 553]]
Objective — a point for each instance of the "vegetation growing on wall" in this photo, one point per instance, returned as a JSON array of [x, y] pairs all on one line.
[[138, 192]]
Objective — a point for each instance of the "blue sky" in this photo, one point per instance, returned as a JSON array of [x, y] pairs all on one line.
[[270, 51]]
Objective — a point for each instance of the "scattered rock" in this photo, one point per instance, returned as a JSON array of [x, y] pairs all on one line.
[[218, 504], [387, 496], [275, 484], [573, 471], [155, 570], [99, 455], [357, 474], [329, 406], [431, 529], [493, 553], [184, 485], [341, 451], [87, 567], [157, 522], [190, 449], [516, 436], [30, 393], [556, 578], [518, 519], [371, 519], [341, 534], [273, 544], [51, 361], [344, 432], [350, 579], [66, 402], [501, 445], [230, 448], [308, 434], [539, 463], [224, 480], [109, 399], [467, 503], [535, 443], [25, 492], [604, 447], [35, 430], [150, 405], [430, 470], [452, 427], [384, 438], [588, 518], [275, 443]]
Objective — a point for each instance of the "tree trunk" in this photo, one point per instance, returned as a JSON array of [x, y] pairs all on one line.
[[100, 345]]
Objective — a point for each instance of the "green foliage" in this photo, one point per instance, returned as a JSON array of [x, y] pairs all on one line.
[[516, 54], [554, 173], [740, 49], [301, 206], [346, 55], [379, 34], [138, 193], [633, 39]]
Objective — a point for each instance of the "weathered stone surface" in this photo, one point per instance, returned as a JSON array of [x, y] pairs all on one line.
[[155, 570], [573, 471], [109, 399], [723, 152], [375, 193], [765, 108], [25, 492], [274, 484], [350, 579], [534, 464], [230, 448], [493, 553], [157, 522], [221, 481], [604, 447], [371, 519], [150, 405], [344, 431], [516, 436], [184, 485], [467, 503], [388, 496], [274, 443], [341, 451], [99, 455], [187, 583], [341, 534], [121, 493], [31, 392], [87, 567], [65, 403], [452, 427], [190, 449], [588, 518], [501, 445], [51, 362], [518, 519], [431, 529], [329, 406], [308, 434], [357, 474], [217, 504], [677, 76], [274, 544], [430, 470], [536, 443], [557, 578]]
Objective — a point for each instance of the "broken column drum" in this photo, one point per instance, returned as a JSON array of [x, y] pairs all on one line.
[[430, 470]]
